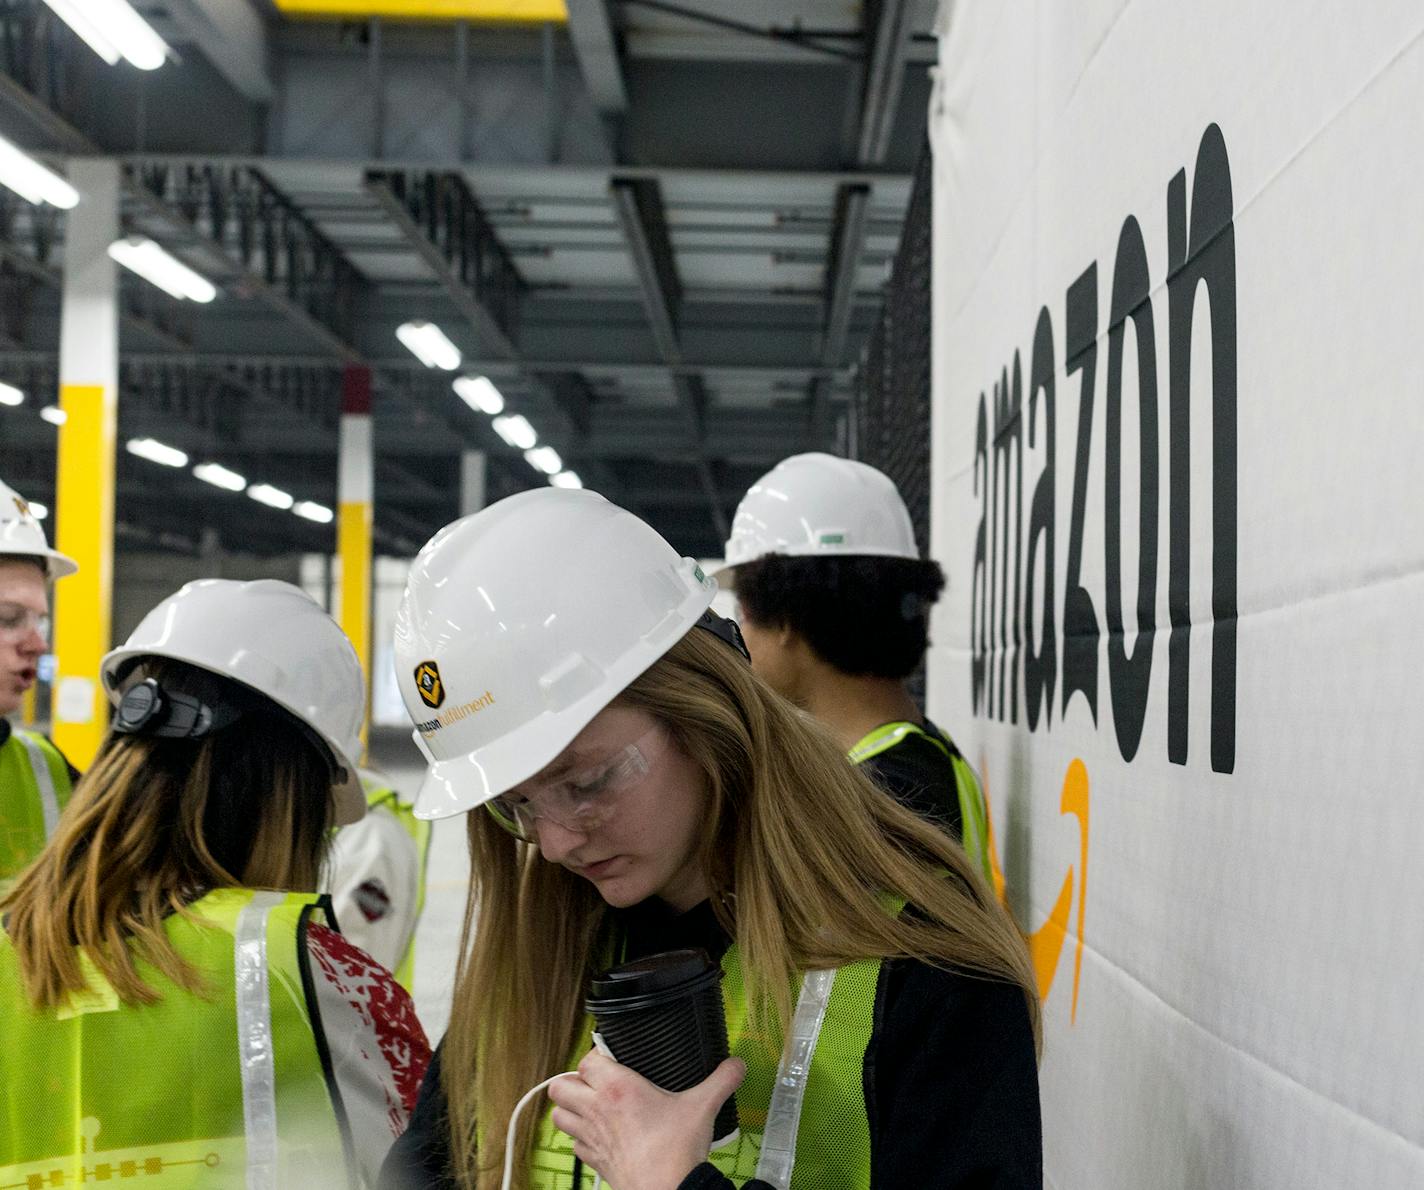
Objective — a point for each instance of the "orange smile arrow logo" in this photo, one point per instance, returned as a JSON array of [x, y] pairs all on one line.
[[1045, 944]]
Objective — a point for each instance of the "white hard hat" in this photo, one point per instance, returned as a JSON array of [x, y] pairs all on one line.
[[21, 534], [272, 638], [520, 623], [817, 504]]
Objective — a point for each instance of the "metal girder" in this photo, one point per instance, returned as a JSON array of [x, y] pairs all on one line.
[[445, 225], [790, 37], [244, 225], [234, 39], [596, 44], [304, 278], [888, 28], [37, 263], [572, 394], [638, 203], [29, 67], [842, 266]]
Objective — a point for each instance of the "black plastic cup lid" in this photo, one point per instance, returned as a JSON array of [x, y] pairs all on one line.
[[651, 980]]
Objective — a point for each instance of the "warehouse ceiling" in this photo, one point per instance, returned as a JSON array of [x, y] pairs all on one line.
[[661, 229]]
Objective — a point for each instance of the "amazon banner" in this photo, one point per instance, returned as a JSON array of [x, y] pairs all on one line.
[[1178, 490]]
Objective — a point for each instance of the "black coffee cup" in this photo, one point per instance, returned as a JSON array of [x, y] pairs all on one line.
[[662, 1016]]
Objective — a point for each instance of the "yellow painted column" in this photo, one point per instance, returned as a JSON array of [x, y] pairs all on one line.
[[84, 508], [356, 495]]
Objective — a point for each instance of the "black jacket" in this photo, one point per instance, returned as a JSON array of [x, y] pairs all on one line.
[[951, 1080], [918, 774]]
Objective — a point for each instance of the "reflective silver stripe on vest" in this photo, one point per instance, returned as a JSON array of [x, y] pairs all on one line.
[[254, 1041], [49, 800], [783, 1117]]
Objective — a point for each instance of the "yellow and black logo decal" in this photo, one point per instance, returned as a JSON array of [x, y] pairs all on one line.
[[22, 506], [427, 681]]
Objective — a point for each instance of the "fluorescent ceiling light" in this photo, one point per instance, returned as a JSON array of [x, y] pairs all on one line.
[[157, 452], [427, 342], [160, 267], [313, 511], [38, 511], [32, 181], [566, 479], [265, 493], [54, 415], [480, 394], [112, 29], [516, 430], [219, 476], [10, 395], [545, 459]]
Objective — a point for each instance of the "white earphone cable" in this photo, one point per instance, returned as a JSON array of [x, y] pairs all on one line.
[[514, 1124]]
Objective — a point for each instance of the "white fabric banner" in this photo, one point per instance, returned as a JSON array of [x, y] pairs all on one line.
[[1178, 490]]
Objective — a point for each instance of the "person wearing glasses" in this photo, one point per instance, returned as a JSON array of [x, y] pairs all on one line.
[[632, 787], [35, 777], [177, 1005], [834, 599]]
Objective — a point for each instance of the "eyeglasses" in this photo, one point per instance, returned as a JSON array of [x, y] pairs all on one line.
[[17, 620], [579, 801]]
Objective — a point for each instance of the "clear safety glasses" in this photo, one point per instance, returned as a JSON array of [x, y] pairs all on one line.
[[581, 800], [16, 621]]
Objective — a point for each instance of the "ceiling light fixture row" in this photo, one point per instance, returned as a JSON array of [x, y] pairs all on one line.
[[113, 30], [230, 481], [156, 265], [429, 344], [10, 395]]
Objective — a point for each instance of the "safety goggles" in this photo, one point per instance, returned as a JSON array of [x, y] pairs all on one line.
[[17, 620], [580, 800]]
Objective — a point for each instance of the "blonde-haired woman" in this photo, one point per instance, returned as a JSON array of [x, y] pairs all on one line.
[[637, 789], [173, 1005]]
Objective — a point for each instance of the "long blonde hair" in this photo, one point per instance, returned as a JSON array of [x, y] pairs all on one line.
[[798, 848], [153, 825]]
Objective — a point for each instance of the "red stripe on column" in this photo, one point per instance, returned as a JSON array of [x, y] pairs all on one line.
[[356, 389]]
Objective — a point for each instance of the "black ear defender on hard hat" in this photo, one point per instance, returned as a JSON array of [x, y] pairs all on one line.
[[724, 630], [148, 709]]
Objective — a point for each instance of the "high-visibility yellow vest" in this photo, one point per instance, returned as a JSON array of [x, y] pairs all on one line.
[[224, 1091], [34, 788], [384, 798], [801, 1107], [973, 813]]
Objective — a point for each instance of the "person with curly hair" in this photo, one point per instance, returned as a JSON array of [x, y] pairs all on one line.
[[835, 602]]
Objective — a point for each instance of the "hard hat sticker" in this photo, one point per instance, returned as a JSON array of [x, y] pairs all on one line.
[[427, 681]]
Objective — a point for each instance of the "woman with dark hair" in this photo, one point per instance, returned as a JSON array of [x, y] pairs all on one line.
[[633, 787], [173, 1003]]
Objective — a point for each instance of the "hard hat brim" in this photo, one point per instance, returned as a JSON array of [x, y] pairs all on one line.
[[458, 784], [59, 566]]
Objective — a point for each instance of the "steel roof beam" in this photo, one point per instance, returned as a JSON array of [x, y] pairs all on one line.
[[847, 244], [888, 28], [304, 277], [446, 227], [234, 39], [142, 187], [596, 44], [638, 203]]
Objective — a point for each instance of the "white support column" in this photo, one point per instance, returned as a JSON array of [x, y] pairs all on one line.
[[84, 483], [474, 465]]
